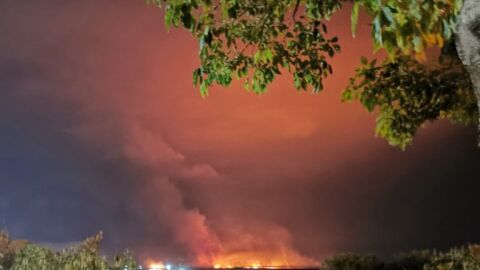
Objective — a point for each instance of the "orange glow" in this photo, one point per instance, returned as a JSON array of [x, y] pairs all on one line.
[[255, 266], [258, 260], [156, 265]]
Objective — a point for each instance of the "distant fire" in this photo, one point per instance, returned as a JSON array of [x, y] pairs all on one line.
[[155, 265], [257, 266], [252, 266], [250, 263], [228, 266], [238, 246], [160, 266], [258, 260], [244, 260], [264, 254]]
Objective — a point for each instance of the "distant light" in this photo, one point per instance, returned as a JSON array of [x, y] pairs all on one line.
[[168, 266], [156, 266]]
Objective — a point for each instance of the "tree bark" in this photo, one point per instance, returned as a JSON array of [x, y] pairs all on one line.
[[468, 44]]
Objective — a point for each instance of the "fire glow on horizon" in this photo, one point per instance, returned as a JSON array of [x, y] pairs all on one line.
[[248, 260], [274, 250], [254, 265], [157, 265], [162, 266]]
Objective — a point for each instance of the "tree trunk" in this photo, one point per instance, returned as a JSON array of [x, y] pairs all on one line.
[[468, 44]]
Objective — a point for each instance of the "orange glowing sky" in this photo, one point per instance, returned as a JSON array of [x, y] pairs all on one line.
[[102, 129]]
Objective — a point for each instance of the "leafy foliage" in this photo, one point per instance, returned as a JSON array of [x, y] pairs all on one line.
[[353, 262], [409, 26], [126, 260], [8, 249], [414, 260], [454, 259], [36, 257], [256, 40], [460, 259], [408, 93], [85, 256], [6, 254]]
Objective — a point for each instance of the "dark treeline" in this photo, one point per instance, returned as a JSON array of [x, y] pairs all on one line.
[[23, 255], [463, 258]]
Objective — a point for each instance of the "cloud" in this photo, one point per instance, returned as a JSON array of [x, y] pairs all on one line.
[[201, 171], [144, 146], [188, 226], [156, 164]]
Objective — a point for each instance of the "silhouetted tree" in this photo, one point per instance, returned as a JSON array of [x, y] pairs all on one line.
[[84, 256], [353, 262]]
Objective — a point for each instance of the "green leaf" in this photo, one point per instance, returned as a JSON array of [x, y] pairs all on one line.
[[377, 31], [388, 14], [267, 53], [447, 32], [364, 60], [418, 44], [197, 76], [204, 89], [354, 17]]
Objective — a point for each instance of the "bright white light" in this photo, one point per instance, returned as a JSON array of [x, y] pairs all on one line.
[[156, 266], [168, 266]]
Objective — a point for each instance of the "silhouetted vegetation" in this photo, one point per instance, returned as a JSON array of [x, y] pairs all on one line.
[[22, 255], [463, 258]]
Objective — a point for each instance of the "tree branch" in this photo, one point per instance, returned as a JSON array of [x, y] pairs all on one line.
[[297, 4]]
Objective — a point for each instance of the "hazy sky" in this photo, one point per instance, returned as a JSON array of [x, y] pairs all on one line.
[[101, 129]]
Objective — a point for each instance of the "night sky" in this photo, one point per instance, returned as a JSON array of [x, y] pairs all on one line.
[[101, 129]]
